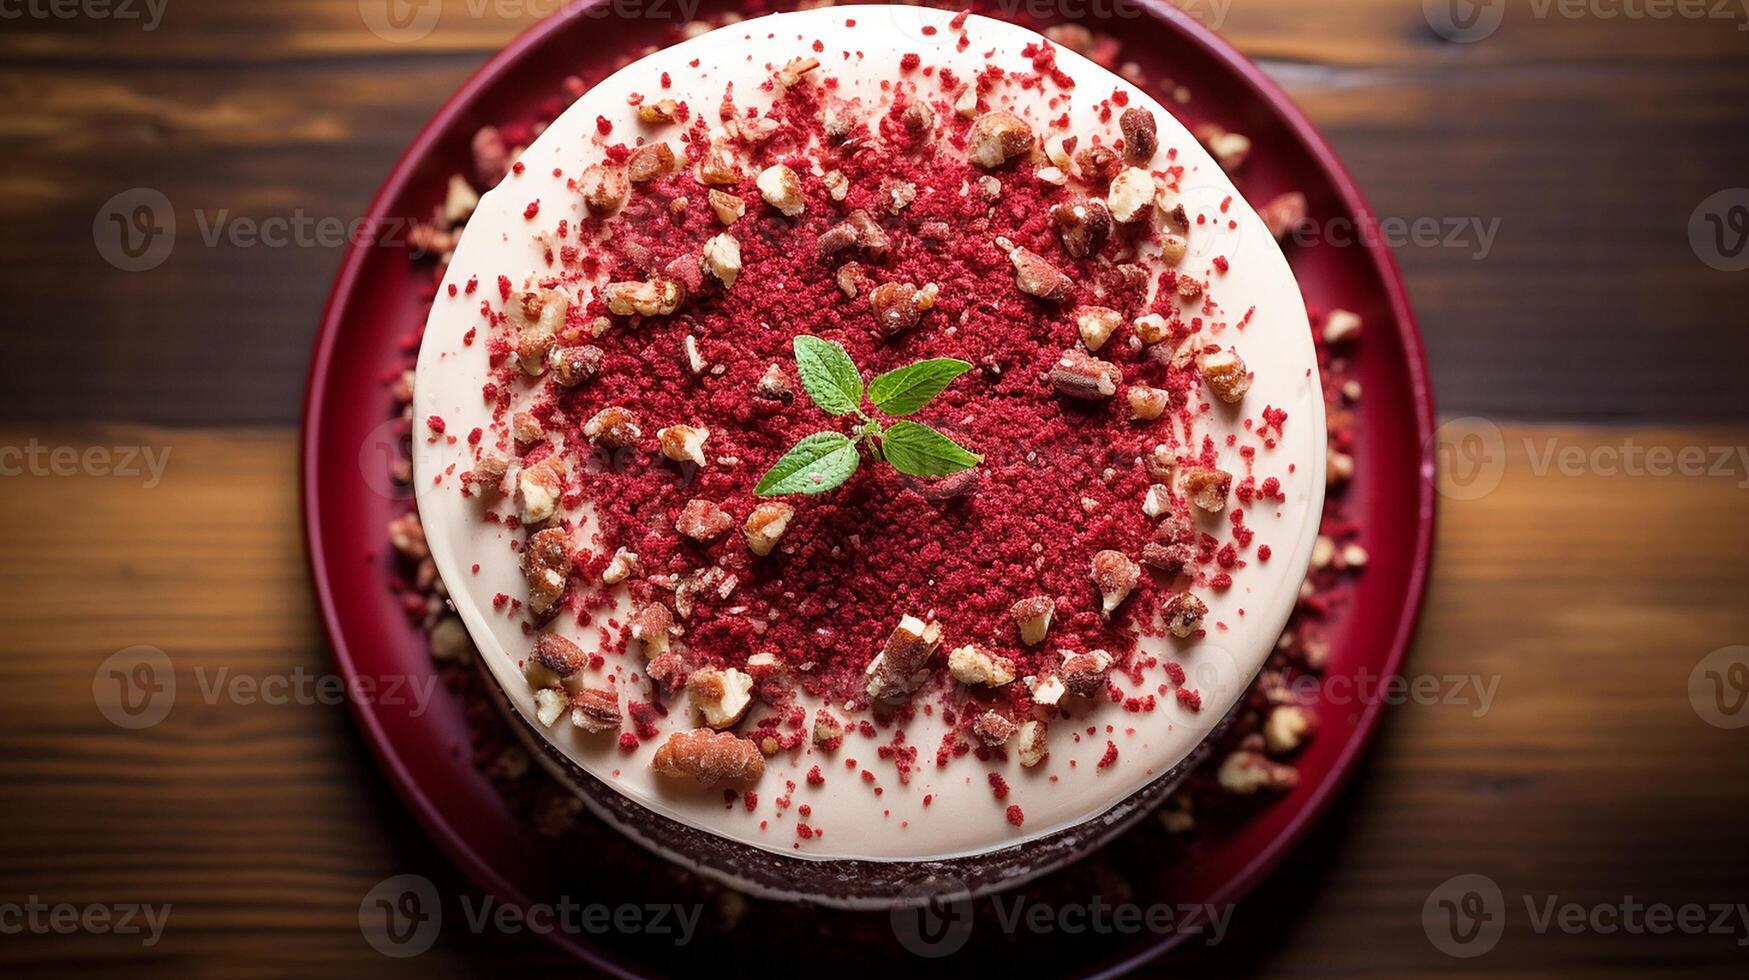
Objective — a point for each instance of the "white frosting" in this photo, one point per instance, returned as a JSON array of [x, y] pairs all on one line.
[[964, 817]]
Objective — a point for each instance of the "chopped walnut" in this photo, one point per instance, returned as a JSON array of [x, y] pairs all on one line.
[[596, 710], [650, 161], [1115, 575], [1096, 324], [1079, 375], [1287, 728], [998, 137], [1225, 373], [526, 430], [654, 297], [1131, 196], [766, 525], [1147, 404], [791, 74], [1207, 487], [828, 730], [972, 664], [652, 625], [604, 187], [553, 660], [546, 566], [1033, 742], [721, 696], [892, 674], [659, 111], [728, 207], [709, 757], [702, 520], [1151, 328], [487, 476], [1085, 674], [722, 256], [1098, 164], [614, 427], [1140, 135], [537, 317], [1247, 771], [718, 167], [918, 117], [1284, 214], [774, 385], [898, 306], [549, 704], [993, 728], [1340, 326], [623, 565], [539, 487], [573, 366], [782, 189], [683, 443], [1184, 613], [1033, 616], [1035, 275], [898, 194]]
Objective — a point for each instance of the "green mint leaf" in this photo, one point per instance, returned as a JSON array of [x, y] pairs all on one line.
[[917, 449], [816, 464], [905, 390], [828, 375]]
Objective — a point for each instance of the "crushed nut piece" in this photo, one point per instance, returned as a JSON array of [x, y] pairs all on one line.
[[722, 256], [1147, 404], [546, 567], [774, 385], [709, 757], [791, 74], [604, 187], [537, 317], [1173, 248], [614, 427], [552, 660], [652, 625], [1083, 226], [539, 486], [702, 520], [998, 137], [1047, 690], [683, 443], [766, 525], [1157, 502], [1131, 195], [1151, 328], [1207, 487], [573, 366], [1140, 135], [1036, 276], [993, 728], [1033, 616], [1247, 771], [972, 664], [1079, 375], [721, 696], [728, 207], [660, 111], [1286, 728], [898, 306], [1098, 164], [1340, 326], [549, 704], [893, 673], [1096, 324], [1225, 373], [1184, 613], [623, 565], [828, 730], [1229, 149], [1284, 214], [782, 189], [1115, 575], [595, 710], [1033, 744], [1084, 674], [650, 161]]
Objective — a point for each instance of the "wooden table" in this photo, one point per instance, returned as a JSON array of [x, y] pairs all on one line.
[[1590, 594]]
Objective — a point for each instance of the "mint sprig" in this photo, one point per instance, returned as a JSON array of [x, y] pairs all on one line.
[[825, 460]]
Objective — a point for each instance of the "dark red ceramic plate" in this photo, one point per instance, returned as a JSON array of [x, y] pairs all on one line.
[[378, 303]]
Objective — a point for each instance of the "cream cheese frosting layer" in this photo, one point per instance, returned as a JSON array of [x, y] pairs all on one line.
[[942, 812]]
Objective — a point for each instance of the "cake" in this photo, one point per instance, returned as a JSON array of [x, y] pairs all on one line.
[[868, 445]]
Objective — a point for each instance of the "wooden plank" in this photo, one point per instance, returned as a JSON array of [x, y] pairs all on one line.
[[1588, 596]]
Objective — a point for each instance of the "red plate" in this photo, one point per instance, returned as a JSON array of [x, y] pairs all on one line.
[[379, 301]]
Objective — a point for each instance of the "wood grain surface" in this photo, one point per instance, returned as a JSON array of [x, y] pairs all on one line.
[[1586, 598], [1571, 149]]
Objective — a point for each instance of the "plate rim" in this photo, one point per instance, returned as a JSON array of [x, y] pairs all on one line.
[[1260, 864]]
